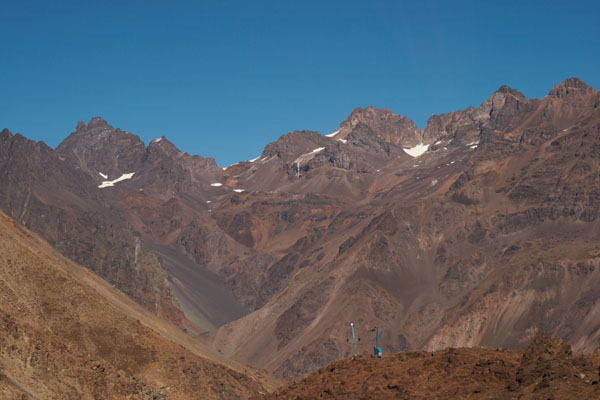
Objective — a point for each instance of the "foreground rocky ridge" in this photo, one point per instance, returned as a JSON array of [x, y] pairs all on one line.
[[546, 370], [480, 229], [67, 334]]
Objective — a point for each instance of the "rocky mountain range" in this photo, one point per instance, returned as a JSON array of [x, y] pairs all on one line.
[[479, 230]]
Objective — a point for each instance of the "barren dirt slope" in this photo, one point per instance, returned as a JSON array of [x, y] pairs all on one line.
[[67, 334]]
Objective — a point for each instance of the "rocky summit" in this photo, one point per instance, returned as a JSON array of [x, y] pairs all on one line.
[[480, 229]]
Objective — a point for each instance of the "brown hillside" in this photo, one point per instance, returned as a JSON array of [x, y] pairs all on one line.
[[67, 334], [546, 370]]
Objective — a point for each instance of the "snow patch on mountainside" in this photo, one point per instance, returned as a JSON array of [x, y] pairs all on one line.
[[216, 184], [417, 150], [103, 175], [119, 179], [267, 159], [473, 145], [307, 156], [332, 134]]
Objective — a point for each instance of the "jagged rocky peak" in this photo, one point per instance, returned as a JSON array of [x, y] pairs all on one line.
[[5, 133], [566, 103], [14, 143], [387, 126], [100, 148], [505, 94], [570, 87], [96, 126], [501, 109], [97, 129], [291, 145], [371, 116], [98, 122], [163, 146], [162, 154], [508, 111], [506, 90]]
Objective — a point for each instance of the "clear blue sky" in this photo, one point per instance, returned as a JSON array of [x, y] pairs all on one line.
[[223, 78]]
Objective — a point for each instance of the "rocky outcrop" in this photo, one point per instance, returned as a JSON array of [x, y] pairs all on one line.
[[504, 109], [547, 370], [98, 148], [386, 127], [545, 360]]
